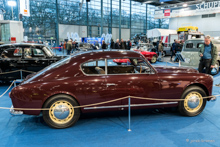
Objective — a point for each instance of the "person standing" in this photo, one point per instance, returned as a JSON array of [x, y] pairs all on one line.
[[112, 44], [129, 44], [173, 49], [208, 53], [104, 45], [64, 45], [69, 47], [117, 44], [178, 49], [122, 44], [97, 44], [160, 50]]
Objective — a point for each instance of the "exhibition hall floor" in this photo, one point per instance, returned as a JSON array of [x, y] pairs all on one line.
[[150, 127]]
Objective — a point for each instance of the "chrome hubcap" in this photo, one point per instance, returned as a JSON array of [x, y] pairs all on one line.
[[193, 102], [61, 111]]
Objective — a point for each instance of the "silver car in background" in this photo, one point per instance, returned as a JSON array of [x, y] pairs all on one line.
[[190, 53]]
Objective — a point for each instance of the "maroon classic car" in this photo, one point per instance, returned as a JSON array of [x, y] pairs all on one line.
[[93, 77]]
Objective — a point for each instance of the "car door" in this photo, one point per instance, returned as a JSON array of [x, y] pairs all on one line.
[[95, 87], [190, 53], [126, 80]]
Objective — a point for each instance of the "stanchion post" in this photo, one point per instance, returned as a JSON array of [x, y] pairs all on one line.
[[129, 114], [21, 73]]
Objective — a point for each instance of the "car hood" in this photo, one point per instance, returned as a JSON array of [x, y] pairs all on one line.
[[175, 70]]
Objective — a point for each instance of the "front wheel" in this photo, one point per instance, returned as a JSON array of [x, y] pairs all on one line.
[[153, 59], [61, 113], [193, 103]]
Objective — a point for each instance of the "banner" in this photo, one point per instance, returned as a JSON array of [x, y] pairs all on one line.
[[197, 9], [25, 7]]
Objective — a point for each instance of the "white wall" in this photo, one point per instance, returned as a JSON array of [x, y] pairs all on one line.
[[125, 34], [63, 29], [208, 26]]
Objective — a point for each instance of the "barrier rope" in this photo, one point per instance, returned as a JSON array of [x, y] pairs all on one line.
[[95, 104], [7, 89], [16, 71]]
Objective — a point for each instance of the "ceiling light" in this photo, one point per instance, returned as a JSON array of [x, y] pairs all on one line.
[[147, 2], [162, 2], [185, 5]]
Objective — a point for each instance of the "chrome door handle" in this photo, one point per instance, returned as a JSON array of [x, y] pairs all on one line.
[[110, 84]]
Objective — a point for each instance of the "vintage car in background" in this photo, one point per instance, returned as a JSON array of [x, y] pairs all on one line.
[[92, 77], [190, 53], [26, 56], [145, 49]]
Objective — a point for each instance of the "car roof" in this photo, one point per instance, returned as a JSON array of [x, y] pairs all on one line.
[[101, 54], [28, 44]]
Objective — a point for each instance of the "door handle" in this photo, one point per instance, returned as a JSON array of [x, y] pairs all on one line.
[[110, 84]]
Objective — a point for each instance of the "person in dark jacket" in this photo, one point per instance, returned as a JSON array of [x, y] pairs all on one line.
[[117, 44], [123, 44], [173, 49], [179, 47], [129, 44], [209, 54], [112, 44], [104, 45]]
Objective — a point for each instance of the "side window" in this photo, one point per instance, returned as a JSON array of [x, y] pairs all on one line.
[[128, 66], [11, 53], [189, 45], [18, 52], [27, 53], [199, 45], [94, 67], [38, 52]]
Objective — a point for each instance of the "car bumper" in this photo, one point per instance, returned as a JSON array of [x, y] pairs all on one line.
[[15, 112]]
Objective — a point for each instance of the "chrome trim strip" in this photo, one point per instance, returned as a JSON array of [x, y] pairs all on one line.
[[134, 105]]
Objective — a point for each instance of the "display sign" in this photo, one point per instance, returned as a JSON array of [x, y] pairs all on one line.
[[197, 9], [167, 12], [25, 7], [13, 39], [92, 40]]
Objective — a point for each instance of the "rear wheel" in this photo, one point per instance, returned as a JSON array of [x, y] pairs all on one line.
[[193, 103], [153, 59], [61, 113]]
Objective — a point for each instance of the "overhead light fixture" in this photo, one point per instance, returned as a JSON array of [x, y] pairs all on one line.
[[185, 5], [147, 2], [11, 3], [162, 2]]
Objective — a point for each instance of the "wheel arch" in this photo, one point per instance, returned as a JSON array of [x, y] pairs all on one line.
[[61, 93], [199, 85]]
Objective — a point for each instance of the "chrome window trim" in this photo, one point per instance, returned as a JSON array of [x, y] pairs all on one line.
[[106, 68]]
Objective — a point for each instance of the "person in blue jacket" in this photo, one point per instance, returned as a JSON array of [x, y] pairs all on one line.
[[173, 48]]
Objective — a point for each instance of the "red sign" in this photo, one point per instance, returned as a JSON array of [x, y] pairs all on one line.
[[167, 12], [13, 39]]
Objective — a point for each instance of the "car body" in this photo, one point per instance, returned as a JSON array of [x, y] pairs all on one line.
[[26, 56], [187, 28], [92, 77], [190, 53], [145, 49]]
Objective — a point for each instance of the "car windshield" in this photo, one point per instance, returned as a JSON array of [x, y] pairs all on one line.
[[48, 51], [52, 66]]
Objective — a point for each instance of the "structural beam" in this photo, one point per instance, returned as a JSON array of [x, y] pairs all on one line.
[[119, 19]]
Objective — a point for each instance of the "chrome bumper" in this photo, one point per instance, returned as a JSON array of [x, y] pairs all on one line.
[[14, 112]]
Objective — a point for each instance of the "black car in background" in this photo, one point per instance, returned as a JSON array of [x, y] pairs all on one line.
[[25, 56]]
